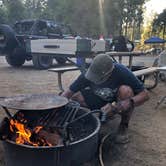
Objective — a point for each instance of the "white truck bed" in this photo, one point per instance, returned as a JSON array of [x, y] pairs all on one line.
[[65, 46]]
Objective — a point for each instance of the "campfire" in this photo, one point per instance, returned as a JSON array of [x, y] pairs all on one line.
[[19, 130], [22, 134], [52, 135]]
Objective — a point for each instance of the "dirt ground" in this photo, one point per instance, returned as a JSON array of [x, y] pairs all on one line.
[[147, 129]]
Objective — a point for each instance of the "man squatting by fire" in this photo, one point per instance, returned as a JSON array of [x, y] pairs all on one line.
[[111, 87]]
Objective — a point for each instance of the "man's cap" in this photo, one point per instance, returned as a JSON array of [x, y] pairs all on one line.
[[100, 69]]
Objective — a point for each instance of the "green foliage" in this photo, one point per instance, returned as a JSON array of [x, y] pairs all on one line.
[[114, 9], [81, 15], [124, 17], [35, 8], [15, 10], [159, 25], [3, 15], [86, 17], [132, 17]]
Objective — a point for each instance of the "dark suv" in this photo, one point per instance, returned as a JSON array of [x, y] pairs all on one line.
[[13, 41]]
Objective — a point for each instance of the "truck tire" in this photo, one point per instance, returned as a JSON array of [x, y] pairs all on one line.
[[16, 58], [8, 40], [60, 61], [42, 62]]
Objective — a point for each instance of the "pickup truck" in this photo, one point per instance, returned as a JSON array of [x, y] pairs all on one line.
[[13, 41]]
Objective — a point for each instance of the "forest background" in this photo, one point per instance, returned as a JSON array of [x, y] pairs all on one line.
[[89, 18]]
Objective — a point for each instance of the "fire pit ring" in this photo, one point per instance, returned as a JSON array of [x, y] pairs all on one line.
[[76, 153]]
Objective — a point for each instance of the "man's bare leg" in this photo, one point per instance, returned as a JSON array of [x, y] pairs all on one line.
[[124, 92]]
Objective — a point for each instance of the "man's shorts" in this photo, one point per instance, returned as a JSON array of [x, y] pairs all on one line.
[[93, 101]]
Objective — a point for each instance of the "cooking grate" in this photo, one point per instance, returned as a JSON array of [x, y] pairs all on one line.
[[61, 120]]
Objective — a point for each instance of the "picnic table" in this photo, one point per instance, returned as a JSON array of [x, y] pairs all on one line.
[[143, 72], [125, 54]]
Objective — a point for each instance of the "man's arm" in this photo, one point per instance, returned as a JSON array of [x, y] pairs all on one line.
[[67, 93], [126, 104], [134, 101], [80, 83], [140, 98]]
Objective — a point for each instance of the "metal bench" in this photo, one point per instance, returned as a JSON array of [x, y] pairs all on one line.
[[163, 68], [149, 76], [60, 71], [146, 71]]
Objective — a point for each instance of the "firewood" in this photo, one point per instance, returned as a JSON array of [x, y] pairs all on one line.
[[52, 138]]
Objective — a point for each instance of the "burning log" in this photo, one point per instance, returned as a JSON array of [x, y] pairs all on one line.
[[16, 129], [53, 138], [35, 137]]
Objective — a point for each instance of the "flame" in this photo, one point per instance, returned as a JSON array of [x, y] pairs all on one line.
[[23, 134]]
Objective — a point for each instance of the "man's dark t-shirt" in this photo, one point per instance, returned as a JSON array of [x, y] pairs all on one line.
[[97, 96]]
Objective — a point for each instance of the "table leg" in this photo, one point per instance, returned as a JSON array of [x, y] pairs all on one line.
[[120, 59], [60, 81], [160, 102], [130, 61]]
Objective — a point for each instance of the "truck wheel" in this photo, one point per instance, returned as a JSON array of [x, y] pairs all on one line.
[[8, 40], [42, 62], [60, 61], [16, 58]]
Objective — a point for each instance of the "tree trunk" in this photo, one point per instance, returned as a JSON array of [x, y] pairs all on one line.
[[120, 30], [126, 28], [164, 32], [133, 31]]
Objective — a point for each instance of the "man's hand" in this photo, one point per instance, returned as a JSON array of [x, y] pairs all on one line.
[[68, 93], [108, 109], [119, 107], [124, 105]]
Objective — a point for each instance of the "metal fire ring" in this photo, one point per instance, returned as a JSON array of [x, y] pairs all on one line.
[[33, 102]]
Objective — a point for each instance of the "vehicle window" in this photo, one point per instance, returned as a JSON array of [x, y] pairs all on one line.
[[42, 29], [17, 28], [65, 30], [23, 28], [54, 29]]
